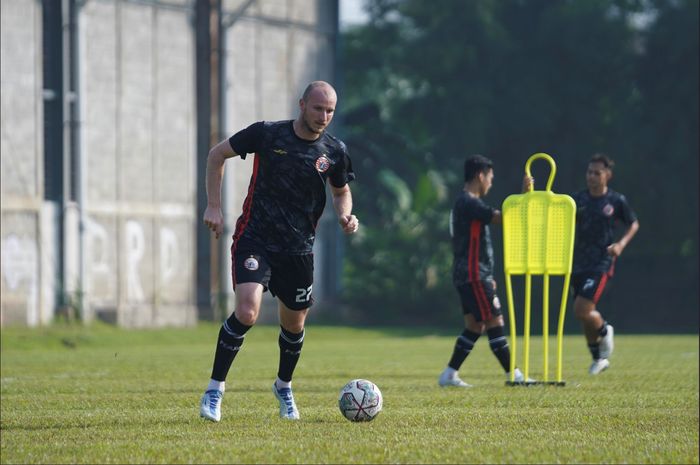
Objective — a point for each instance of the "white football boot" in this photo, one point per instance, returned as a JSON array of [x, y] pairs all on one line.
[[519, 377], [288, 408], [210, 405], [598, 366], [450, 378]]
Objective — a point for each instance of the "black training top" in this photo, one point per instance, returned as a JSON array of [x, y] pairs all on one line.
[[471, 240], [287, 191], [596, 218]]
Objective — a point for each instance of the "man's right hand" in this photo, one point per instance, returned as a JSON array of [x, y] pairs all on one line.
[[214, 220]]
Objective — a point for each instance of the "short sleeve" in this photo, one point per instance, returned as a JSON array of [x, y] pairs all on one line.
[[627, 215], [483, 212], [473, 209], [248, 140], [342, 172]]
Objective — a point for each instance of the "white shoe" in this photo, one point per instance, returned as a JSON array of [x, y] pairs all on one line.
[[606, 343], [288, 408], [210, 405], [598, 366], [519, 377], [454, 380]]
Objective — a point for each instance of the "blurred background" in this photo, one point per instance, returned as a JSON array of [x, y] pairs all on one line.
[[109, 108]]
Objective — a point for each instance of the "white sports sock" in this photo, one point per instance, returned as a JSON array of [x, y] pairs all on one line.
[[283, 384], [450, 372], [215, 385]]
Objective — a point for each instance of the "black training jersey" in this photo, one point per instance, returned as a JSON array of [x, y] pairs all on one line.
[[287, 191], [596, 218], [471, 240]]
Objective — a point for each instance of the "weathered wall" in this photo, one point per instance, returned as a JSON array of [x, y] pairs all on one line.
[[21, 177], [138, 133]]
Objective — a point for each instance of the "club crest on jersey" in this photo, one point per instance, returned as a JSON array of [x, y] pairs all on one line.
[[322, 164], [251, 264], [608, 210]]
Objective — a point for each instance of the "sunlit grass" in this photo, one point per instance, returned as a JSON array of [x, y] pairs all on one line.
[[105, 395]]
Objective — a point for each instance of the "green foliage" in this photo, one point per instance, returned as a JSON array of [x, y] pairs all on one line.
[[427, 84], [116, 396]]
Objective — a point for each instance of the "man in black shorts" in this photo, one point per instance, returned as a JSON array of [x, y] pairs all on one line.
[[472, 271], [598, 210], [274, 236]]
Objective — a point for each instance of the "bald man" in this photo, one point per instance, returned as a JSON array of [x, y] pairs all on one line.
[[274, 236]]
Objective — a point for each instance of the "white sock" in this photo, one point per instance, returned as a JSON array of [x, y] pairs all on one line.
[[450, 372], [283, 384], [215, 385]]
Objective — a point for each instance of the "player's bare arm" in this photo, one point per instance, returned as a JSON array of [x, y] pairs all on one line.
[[342, 202], [213, 217], [497, 217], [615, 249]]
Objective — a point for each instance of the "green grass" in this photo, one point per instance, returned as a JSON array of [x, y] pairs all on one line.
[[105, 395]]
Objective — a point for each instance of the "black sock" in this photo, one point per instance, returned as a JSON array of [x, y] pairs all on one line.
[[463, 346], [603, 330], [499, 346], [290, 350], [595, 350], [228, 344]]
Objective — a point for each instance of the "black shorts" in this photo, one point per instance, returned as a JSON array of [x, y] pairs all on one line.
[[479, 298], [590, 284], [288, 277]]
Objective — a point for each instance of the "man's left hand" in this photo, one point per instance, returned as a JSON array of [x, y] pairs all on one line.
[[349, 223]]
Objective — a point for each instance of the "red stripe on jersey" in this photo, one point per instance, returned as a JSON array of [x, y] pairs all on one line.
[[473, 270], [247, 204], [245, 217]]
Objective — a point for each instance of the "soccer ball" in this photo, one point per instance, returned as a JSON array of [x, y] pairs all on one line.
[[360, 400]]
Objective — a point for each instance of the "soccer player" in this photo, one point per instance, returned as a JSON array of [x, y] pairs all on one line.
[[598, 210], [472, 271], [274, 236]]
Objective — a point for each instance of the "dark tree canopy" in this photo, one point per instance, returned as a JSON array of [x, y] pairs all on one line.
[[428, 83]]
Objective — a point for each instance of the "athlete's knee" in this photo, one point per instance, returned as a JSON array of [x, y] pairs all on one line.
[[247, 310], [475, 327], [583, 308], [293, 321], [247, 316], [494, 322], [248, 300]]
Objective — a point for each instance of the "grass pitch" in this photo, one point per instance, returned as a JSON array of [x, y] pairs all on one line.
[[106, 395]]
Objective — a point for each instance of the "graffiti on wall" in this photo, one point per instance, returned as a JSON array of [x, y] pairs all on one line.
[[101, 268], [20, 270]]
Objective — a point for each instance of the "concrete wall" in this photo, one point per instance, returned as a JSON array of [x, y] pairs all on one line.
[[138, 149], [21, 166]]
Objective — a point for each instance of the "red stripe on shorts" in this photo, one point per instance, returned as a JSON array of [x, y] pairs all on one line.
[[473, 269]]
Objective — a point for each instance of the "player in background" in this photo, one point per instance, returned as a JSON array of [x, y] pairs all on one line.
[[598, 210], [472, 272], [274, 236]]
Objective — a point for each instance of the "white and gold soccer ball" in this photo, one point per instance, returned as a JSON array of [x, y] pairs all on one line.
[[360, 400]]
